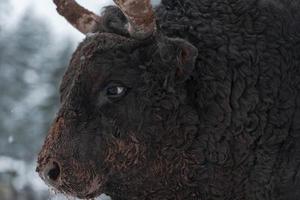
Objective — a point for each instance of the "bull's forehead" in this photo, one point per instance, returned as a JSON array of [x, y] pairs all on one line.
[[99, 57], [106, 41], [110, 53]]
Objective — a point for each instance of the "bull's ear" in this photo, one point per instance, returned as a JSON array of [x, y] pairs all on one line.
[[181, 54]]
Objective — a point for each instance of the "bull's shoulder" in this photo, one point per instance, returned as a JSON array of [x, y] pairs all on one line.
[[246, 88]]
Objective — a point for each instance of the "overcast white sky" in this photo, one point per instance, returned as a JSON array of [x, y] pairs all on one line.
[[46, 9]]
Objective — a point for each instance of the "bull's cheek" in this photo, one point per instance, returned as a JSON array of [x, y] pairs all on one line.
[[125, 154]]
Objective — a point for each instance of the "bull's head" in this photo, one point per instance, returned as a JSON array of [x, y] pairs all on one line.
[[125, 113]]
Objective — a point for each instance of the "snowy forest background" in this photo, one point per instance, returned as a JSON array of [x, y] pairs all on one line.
[[35, 48]]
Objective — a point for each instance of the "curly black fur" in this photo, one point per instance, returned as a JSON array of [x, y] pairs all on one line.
[[212, 109]]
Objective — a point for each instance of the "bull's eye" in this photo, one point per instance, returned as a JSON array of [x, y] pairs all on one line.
[[115, 91]]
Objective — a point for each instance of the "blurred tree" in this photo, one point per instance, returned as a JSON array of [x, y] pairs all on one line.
[[31, 62], [4, 8]]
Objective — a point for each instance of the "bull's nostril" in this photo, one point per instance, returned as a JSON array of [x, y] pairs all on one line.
[[52, 173]]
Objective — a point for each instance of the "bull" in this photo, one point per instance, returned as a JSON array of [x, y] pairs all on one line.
[[192, 100]]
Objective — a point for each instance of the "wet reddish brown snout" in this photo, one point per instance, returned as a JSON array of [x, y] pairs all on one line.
[[49, 168], [67, 161]]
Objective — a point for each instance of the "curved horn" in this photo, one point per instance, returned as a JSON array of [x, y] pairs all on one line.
[[140, 16], [138, 12], [82, 19]]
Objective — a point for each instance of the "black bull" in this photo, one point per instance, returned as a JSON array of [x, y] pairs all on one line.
[[207, 108]]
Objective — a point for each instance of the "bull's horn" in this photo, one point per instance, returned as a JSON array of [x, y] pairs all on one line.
[[140, 16], [139, 13], [82, 19]]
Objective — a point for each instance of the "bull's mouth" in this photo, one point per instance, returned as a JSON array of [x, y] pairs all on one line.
[[89, 191], [81, 191]]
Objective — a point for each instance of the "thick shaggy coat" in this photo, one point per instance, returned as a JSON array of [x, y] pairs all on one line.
[[209, 108]]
